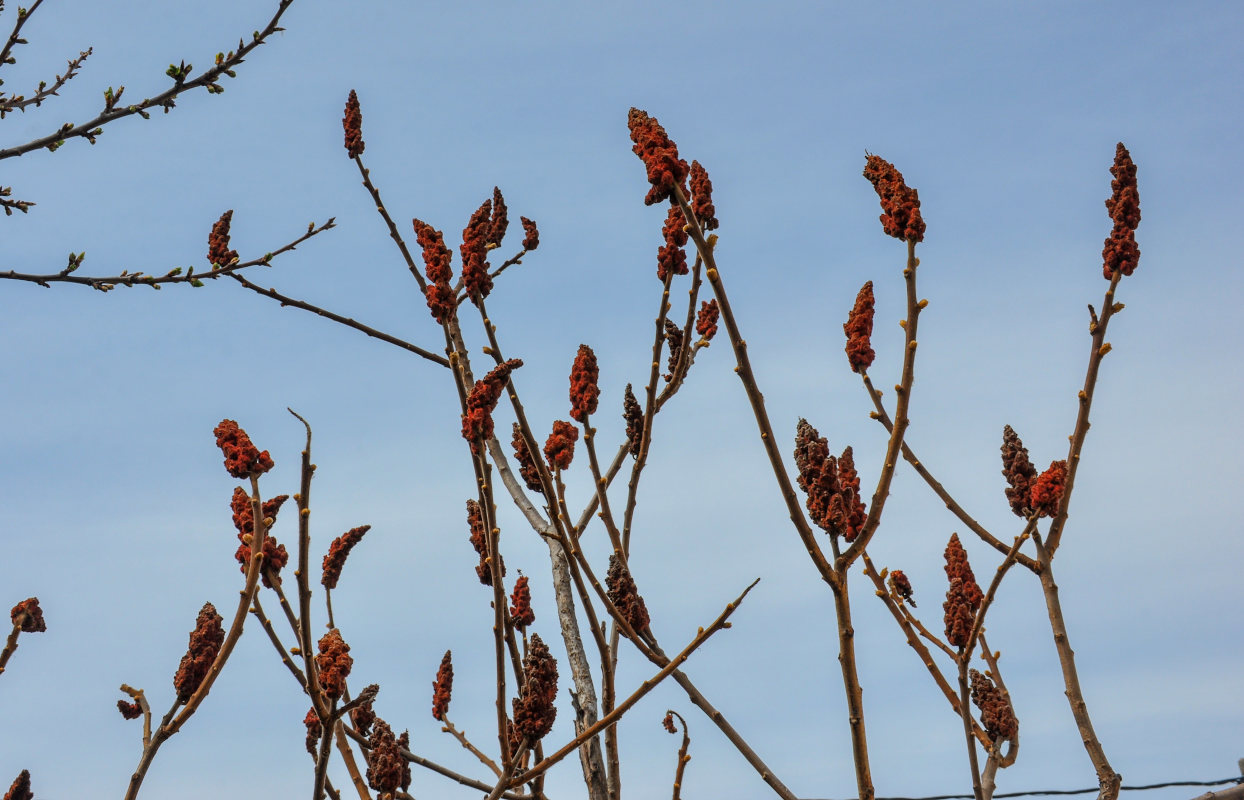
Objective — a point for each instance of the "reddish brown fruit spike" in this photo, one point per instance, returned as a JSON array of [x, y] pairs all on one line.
[[671, 258], [242, 458], [531, 234], [668, 722], [205, 642], [1018, 471], [674, 341], [474, 250], [1120, 253], [477, 422], [957, 566], [28, 617], [900, 203], [384, 761], [702, 197], [534, 711], [706, 320], [334, 663], [634, 416], [129, 710], [20, 790], [660, 156], [218, 252], [859, 330], [818, 476], [997, 715], [584, 386], [625, 595], [338, 551], [479, 540], [559, 449], [443, 687], [526, 464], [500, 219], [1047, 489], [353, 124], [312, 721], [901, 586], [520, 610]]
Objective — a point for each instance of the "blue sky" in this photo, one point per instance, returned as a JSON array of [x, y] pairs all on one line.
[[114, 506]]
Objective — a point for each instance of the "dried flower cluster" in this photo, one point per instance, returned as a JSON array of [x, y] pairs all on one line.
[[338, 551], [218, 252], [363, 715], [901, 586], [436, 262], [27, 616], [474, 250], [660, 156], [526, 463], [314, 728], [706, 320], [20, 788], [274, 554], [242, 458], [584, 387], [668, 722], [1120, 253], [859, 330], [702, 197], [205, 642], [634, 416], [900, 203], [352, 122], [443, 687], [559, 448], [964, 596], [531, 234], [1047, 489], [477, 422], [1018, 470], [997, 716], [832, 484], [334, 663], [129, 710], [625, 595], [387, 770], [534, 711], [479, 540], [671, 258], [520, 604], [674, 341], [500, 221]]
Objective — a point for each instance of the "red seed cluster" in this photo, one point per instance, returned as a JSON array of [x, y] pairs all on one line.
[[20, 789], [1047, 489], [500, 220], [205, 642], [901, 204], [901, 586], [275, 555], [832, 484], [702, 197], [526, 463], [584, 387], [436, 260], [531, 234], [384, 760], [534, 711], [964, 596], [671, 258], [859, 330], [474, 250], [312, 721], [218, 252], [625, 595], [559, 448], [1018, 471], [997, 716], [660, 156], [674, 338], [668, 722], [129, 710], [363, 715], [352, 122], [338, 551], [28, 617], [1120, 253], [242, 458], [706, 319], [443, 687], [334, 663], [479, 540], [520, 609], [477, 422], [634, 416]]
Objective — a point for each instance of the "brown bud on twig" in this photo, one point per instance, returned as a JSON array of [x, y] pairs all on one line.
[[625, 595], [384, 761], [205, 642], [702, 197], [218, 252], [584, 388], [520, 610], [660, 156], [353, 124], [443, 687], [242, 458], [706, 320], [634, 416], [337, 553], [27, 616], [859, 329], [900, 203], [559, 448], [20, 789], [997, 716], [526, 464], [901, 586], [1120, 253], [1047, 489], [531, 234], [334, 663], [534, 711], [1018, 471]]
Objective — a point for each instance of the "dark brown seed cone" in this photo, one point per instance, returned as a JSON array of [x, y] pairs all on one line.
[[634, 416], [901, 586], [859, 329], [1047, 489], [20, 790], [312, 721], [352, 122], [338, 551], [28, 617], [1018, 471], [584, 388], [129, 710], [624, 595], [520, 610], [384, 761], [526, 464], [218, 252], [443, 687], [534, 711], [997, 716], [334, 663], [205, 642]]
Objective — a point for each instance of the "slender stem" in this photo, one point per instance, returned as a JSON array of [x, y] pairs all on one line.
[[321, 758], [851, 682], [448, 727], [10, 646], [965, 712], [257, 610], [683, 758]]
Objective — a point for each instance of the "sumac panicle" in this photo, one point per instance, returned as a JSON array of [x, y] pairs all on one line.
[[205, 642]]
